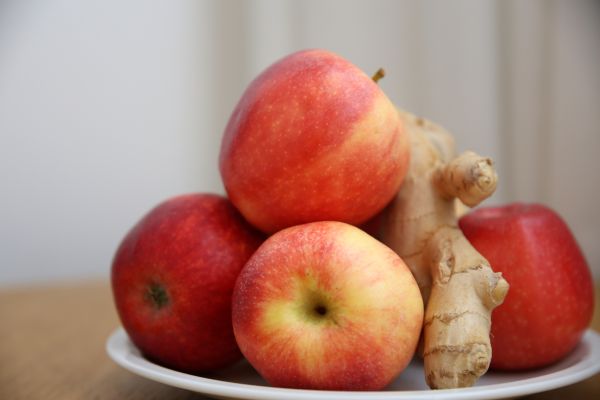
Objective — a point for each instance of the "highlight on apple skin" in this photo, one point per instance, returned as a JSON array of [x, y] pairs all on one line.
[[325, 306], [172, 279], [312, 138]]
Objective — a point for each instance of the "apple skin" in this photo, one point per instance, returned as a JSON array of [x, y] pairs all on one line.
[[172, 279], [551, 299], [325, 306], [312, 139]]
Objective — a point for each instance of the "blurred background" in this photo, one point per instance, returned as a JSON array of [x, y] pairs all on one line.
[[107, 108]]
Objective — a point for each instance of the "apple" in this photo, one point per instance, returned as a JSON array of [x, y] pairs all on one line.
[[550, 302], [324, 305], [173, 276], [312, 138]]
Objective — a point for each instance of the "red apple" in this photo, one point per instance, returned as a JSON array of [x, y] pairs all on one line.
[[325, 306], [312, 138], [172, 280], [550, 301]]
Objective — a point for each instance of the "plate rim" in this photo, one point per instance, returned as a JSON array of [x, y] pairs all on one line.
[[119, 346]]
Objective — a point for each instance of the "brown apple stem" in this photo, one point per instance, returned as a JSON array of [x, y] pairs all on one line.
[[378, 75]]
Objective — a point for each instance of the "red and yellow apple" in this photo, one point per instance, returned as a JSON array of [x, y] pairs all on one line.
[[550, 302], [173, 276], [325, 306], [312, 138]]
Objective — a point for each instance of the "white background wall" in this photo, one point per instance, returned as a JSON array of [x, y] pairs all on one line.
[[107, 108]]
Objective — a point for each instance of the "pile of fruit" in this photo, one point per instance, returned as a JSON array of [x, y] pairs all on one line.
[[338, 254]]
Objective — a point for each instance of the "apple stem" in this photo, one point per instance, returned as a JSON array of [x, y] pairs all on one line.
[[378, 75]]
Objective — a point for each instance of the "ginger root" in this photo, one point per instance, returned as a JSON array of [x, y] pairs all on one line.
[[459, 287]]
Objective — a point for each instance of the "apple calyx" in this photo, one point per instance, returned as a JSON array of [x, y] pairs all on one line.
[[317, 310], [316, 307], [320, 309], [316, 302], [157, 295], [378, 75]]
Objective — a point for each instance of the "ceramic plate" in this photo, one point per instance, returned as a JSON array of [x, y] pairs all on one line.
[[242, 382]]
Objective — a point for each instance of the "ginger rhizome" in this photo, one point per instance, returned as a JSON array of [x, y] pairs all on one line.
[[459, 287]]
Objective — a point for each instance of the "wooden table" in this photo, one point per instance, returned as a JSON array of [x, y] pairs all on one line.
[[52, 347]]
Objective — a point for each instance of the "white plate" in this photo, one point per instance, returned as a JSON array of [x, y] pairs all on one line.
[[242, 382]]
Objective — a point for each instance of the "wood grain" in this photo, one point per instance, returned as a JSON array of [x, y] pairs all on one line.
[[52, 343], [52, 347]]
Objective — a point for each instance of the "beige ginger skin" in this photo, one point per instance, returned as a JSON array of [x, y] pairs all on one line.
[[459, 287]]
